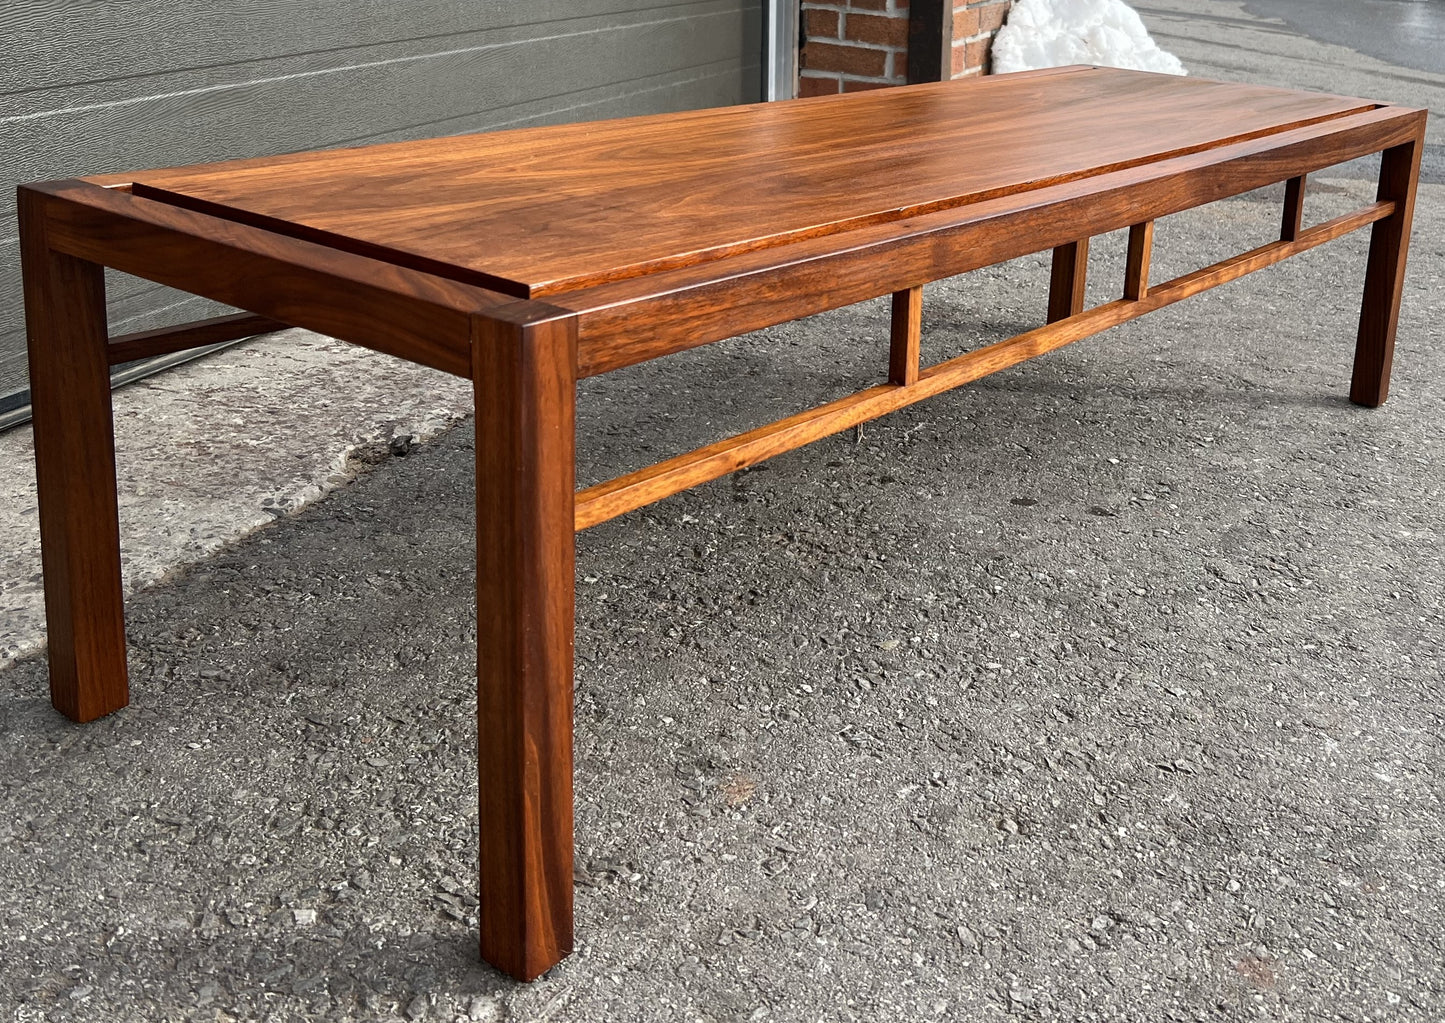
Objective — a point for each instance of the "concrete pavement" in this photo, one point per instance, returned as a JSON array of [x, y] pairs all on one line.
[[1222, 39], [1407, 33]]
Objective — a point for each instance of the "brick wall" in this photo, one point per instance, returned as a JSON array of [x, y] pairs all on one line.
[[975, 23], [851, 45]]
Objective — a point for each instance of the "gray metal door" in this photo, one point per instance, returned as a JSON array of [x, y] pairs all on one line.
[[90, 85]]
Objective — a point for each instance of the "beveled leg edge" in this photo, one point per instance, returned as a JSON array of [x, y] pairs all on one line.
[[525, 384]]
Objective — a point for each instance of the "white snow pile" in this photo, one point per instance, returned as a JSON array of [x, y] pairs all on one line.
[[1051, 33]]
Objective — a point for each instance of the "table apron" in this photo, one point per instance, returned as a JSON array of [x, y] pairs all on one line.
[[635, 321], [395, 310]]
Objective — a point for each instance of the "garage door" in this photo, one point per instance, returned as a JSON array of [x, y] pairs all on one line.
[[90, 87]]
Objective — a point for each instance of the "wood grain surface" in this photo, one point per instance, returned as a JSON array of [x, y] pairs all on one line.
[[710, 301], [1068, 278], [388, 308], [1141, 252], [546, 210], [74, 471], [145, 344], [525, 399], [89, 86], [905, 335]]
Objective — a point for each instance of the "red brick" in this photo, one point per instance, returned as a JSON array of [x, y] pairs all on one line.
[[958, 65], [900, 65], [965, 24], [868, 5], [991, 17], [820, 24], [851, 60], [870, 28], [976, 54], [849, 86], [809, 85]]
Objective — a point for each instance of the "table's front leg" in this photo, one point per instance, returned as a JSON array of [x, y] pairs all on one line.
[[1385, 275], [525, 384], [75, 472]]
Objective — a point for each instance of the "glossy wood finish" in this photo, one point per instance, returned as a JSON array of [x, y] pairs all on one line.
[[525, 393], [1068, 278], [146, 344], [74, 470], [706, 303], [572, 206], [1385, 276], [905, 335], [387, 308], [1136, 262], [152, 83], [647, 242]]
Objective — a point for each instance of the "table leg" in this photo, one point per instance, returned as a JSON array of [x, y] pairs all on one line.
[[1293, 219], [1385, 277], [75, 472], [905, 335], [524, 379], [1136, 264], [1067, 279]]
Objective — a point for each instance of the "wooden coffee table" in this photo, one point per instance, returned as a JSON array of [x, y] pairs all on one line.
[[527, 260]]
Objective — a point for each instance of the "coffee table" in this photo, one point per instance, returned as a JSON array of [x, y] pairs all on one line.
[[527, 260]]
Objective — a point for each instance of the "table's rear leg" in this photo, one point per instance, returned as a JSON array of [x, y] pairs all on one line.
[[1385, 277], [1067, 279], [524, 377], [75, 472], [905, 335]]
